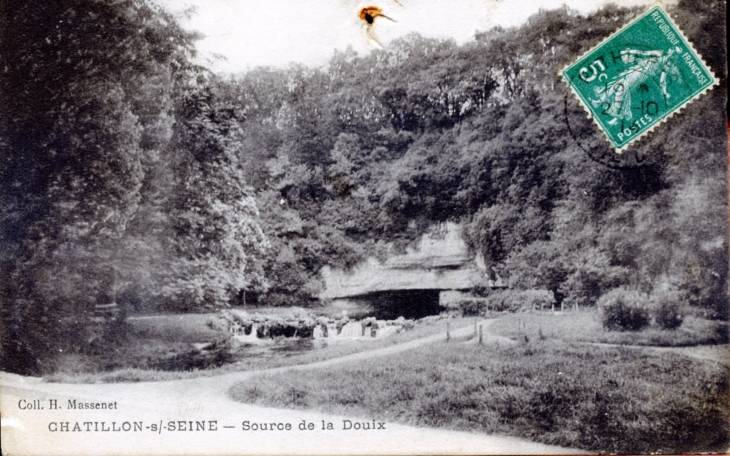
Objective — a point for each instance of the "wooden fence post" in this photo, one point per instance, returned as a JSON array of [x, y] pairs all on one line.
[[448, 332], [481, 334]]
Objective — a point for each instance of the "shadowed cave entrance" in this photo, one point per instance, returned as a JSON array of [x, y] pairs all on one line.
[[389, 305]]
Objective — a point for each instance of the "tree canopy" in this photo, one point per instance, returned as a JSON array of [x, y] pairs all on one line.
[[131, 175]]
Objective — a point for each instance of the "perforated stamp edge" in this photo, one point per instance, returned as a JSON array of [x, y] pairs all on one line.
[[678, 109]]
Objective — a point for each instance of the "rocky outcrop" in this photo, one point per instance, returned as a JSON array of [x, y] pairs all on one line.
[[442, 247], [441, 261]]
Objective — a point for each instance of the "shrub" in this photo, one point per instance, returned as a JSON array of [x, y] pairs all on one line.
[[470, 306], [720, 333], [504, 301], [592, 277], [666, 312], [623, 310], [535, 299], [216, 323], [514, 300]]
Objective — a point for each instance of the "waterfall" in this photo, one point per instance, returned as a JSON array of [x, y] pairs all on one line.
[[250, 338], [351, 329], [323, 329], [386, 331]]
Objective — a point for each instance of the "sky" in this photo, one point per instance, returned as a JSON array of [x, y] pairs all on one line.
[[243, 34]]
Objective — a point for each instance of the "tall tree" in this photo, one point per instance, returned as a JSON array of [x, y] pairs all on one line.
[[218, 243], [86, 98]]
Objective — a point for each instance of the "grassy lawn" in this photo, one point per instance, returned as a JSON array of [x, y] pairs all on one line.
[[148, 340], [585, 326], [135, 345], [592, 398], [186, 328]]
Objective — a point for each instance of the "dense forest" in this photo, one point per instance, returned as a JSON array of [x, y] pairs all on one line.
[[131, 175]]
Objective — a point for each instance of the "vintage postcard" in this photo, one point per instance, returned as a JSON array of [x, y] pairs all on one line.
[[328, 227]]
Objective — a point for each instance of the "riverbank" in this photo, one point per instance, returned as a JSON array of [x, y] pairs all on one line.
[[148, 342]]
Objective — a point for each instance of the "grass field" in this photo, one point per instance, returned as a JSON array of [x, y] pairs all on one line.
[[585, 326], [189, 328], [592, 398], [150, 339]]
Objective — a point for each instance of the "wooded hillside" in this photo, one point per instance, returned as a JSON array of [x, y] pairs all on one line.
[[131, 175]]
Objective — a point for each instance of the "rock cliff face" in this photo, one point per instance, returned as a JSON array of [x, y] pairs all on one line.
[[440, 262], [439, 248]]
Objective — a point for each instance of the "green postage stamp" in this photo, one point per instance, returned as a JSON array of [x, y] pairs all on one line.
[[638, 77]]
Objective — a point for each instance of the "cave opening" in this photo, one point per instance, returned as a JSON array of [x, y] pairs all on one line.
[[412, 304]]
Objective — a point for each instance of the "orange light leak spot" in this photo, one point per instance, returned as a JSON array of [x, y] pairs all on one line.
[[369, 13]]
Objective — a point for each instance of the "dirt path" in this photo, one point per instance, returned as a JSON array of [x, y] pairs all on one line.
[[405, 346], [713, 353], [206, 398]]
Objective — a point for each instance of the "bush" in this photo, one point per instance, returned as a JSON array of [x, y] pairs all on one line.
[[535, 299], [667, 313], [514, 300], [720, 333], [505, 301], [217, 323], [470, 306], [501, 301], [623, 310]]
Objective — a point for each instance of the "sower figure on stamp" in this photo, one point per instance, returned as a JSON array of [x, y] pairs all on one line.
[[615, 97]]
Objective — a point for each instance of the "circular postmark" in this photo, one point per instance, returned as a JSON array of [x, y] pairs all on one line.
[[590, 140]]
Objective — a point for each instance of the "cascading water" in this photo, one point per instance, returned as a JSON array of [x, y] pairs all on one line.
[[252, 337], [351, 329], [354, 329], [261, 330], [387, 331]]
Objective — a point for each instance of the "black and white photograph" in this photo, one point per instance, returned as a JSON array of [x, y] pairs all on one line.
[[235, 227]]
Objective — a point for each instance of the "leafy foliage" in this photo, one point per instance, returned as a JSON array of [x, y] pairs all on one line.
[[130, 175], [93, 142], [505, 301], [624, 310], [428, 131], [667, 311], [218, 241]]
